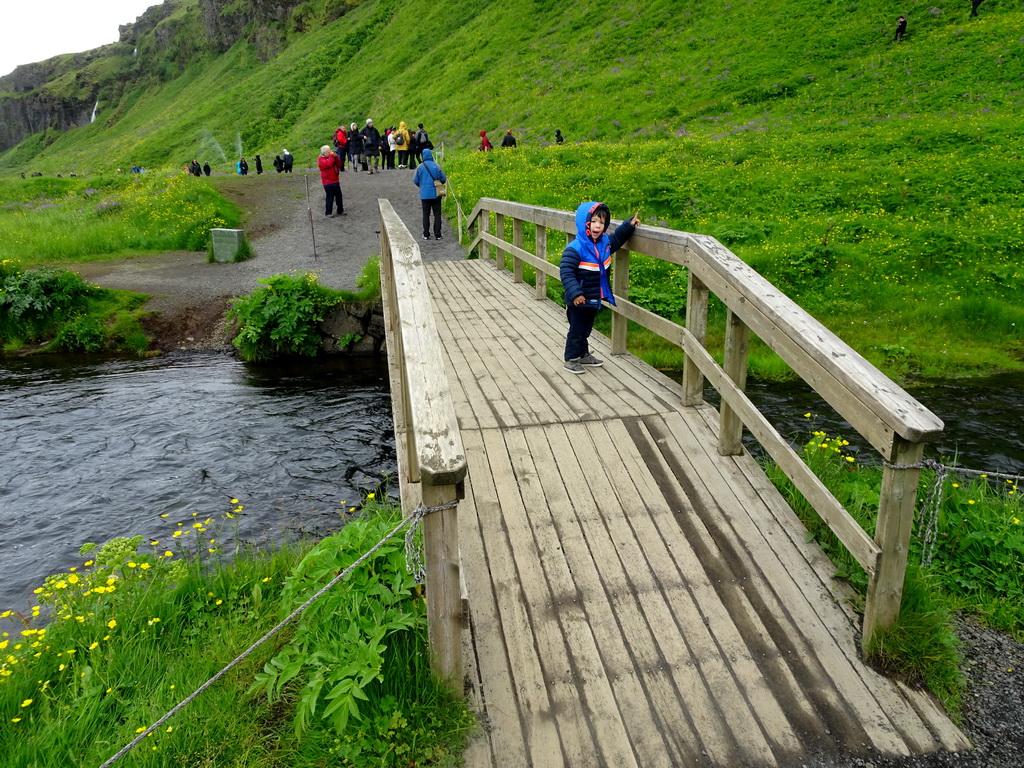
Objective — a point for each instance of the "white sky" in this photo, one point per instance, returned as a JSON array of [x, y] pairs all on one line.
[[35, 30]]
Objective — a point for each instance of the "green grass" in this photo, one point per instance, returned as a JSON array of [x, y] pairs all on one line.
[[144, 621]]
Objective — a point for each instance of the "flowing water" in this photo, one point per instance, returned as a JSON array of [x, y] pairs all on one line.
[[91, 450], [125, 447]]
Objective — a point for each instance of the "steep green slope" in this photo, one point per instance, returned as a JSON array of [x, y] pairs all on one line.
[[595, 70]]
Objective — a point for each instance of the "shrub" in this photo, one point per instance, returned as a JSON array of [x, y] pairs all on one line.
[[282, 318], [35, 302]]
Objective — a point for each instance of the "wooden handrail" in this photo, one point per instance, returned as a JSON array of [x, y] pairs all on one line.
[[888, 417], [432, 455]]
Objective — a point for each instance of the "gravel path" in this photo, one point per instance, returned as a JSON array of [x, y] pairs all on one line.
[[191, 295]]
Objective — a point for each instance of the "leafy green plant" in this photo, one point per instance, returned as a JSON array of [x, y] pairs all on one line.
[[83, 334], [35, 302], [282, 318]]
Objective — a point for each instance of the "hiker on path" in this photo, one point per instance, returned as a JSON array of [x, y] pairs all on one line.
[[371, 146], [194, 169], [402, 141], [278, 163], [330, 167], [259, 164], [429, 172], [206, 168], [420, 141], [508, 140], [288, 160], [355, 147], [485, 143], [390, 149], [341, 145], [901, 28]]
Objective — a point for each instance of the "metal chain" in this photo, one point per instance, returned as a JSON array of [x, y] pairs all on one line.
[[418, 514], [927, 521]]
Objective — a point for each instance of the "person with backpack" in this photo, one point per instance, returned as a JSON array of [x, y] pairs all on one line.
[[287, 159], [420, 141], [509, 140], [402, 140], [427, 174], [485, 143]]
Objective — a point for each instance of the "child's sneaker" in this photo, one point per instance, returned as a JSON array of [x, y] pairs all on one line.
[[573, 366], [590, 361]]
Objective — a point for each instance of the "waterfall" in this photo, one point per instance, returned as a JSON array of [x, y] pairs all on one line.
[[94, 108]]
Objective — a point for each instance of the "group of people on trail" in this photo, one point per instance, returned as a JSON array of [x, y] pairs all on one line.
[[283, 163], [508, 140], [194, 168], [371, 151]]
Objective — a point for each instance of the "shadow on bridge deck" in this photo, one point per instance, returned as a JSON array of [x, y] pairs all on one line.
[[634, 598]]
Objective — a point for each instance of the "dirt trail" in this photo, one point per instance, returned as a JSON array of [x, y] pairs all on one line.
[[191, 294]]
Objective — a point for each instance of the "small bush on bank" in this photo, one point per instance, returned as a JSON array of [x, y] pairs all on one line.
[[283, 317]]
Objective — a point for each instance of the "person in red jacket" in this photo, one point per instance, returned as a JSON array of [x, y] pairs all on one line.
[[340, 140], [485, 143], [330, 166]]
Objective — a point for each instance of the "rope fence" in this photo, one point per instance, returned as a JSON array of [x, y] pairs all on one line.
[[414, 564], [927, 521]]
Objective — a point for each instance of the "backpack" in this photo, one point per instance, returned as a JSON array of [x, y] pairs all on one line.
[[399, 139]]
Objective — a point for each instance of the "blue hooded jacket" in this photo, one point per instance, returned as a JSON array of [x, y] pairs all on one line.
[[426, 172], [580, 269]]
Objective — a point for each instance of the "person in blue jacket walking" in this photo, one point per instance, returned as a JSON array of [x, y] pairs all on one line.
[[426, 174], [584, 275]]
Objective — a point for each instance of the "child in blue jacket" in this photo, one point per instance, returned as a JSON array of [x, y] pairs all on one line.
[[584, 275]]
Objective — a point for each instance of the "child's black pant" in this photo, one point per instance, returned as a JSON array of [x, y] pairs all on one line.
[[581, 323]]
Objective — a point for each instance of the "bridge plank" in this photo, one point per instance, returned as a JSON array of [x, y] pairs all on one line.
[[526, 727], [810, 653]]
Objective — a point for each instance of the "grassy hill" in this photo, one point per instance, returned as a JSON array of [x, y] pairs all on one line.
[[879, 183]]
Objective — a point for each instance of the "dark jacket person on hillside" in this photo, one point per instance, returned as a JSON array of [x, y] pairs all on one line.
[[330, 166], [508, 140], [426, 174], [288, 160], [371, 146]]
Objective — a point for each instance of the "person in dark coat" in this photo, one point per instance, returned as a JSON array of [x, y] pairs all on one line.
[[206, 168], [509, 140], [194, 169], [371, 146], [288, 160], [355, 147], [259, 164], [558, 136], [974, 6], [278, 163], [901, 29]]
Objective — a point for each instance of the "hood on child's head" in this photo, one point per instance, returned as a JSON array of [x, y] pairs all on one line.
[[483, 133], [428, 155], [586, 212]]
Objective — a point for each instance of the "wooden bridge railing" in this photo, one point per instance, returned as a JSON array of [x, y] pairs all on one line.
[[887, 417], [432, 455]]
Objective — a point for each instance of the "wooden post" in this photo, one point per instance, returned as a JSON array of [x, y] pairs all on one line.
[[696, 324], [517, 240], [620, 287], [499, 232], [892, 535], [484, 223], [540, 287], [737, 347], [444, 595]]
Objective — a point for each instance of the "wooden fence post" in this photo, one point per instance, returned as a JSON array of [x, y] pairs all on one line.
[[444, 594], [892, 535], [484, 223], [517, 240], [499, 232], [737, 347], [620, 287], [697, 325], [540, 287]]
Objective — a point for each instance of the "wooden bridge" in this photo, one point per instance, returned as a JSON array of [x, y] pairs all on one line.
[[620, 585]]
